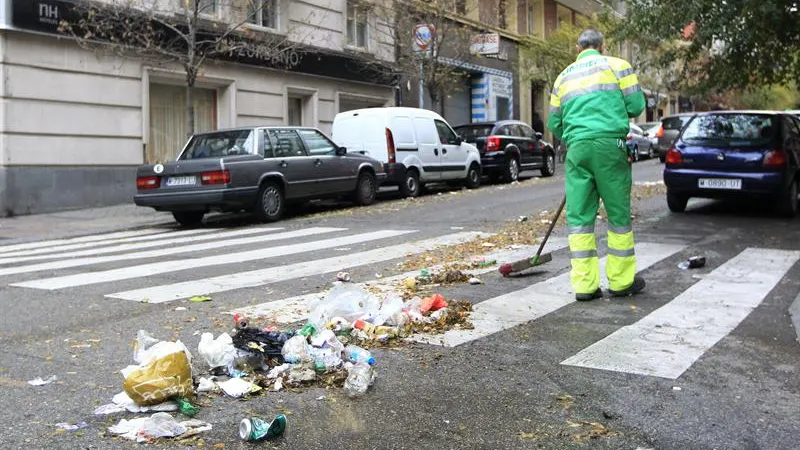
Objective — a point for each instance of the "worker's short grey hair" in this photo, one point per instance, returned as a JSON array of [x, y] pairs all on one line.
[[590, 38]]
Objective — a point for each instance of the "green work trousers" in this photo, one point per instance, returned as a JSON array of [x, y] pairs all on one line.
[[599, 169]]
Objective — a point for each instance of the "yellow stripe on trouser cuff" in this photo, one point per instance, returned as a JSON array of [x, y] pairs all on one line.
[[585, 274], [621, 260]]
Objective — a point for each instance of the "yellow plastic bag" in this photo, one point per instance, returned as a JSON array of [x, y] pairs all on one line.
[[164, 372]]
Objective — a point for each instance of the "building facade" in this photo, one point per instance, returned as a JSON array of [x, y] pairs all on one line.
[[76, 124]]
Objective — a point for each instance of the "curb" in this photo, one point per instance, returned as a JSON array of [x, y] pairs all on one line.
[[794, 314]]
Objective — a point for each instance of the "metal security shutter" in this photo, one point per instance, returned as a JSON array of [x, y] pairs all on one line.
[[458, 105]]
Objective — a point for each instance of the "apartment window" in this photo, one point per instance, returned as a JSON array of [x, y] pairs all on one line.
[[461, 7], [530, 16], [356, 25], [501, 13], [263, 13], [203, 6]]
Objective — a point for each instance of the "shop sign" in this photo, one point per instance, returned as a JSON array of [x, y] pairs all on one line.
[[485, 44]]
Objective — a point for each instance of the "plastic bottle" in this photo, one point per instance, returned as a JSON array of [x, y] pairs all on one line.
[[359, 378], [357, 354], [186, 408], [308, 330]]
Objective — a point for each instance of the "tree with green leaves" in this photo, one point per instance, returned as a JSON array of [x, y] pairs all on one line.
[[721, 45]]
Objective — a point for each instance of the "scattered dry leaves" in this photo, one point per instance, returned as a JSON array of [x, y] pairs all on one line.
[[591, 430]]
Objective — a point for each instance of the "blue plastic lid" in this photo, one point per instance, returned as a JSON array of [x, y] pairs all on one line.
[[371, 360]]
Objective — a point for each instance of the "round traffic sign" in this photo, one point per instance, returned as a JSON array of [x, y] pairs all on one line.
[[423, 35]]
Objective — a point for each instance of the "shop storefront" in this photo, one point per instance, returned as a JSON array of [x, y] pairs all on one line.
[[78, 123]]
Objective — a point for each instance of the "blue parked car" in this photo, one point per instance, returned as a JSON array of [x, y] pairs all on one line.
[[733, 155]]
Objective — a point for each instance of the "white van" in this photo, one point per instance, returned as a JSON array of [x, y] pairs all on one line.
[[416, 146]]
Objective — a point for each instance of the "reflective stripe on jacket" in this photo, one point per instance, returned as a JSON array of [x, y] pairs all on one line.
[[594, 97]]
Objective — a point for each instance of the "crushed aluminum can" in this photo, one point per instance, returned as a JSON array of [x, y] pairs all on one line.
[[343, 277], [255, 429], [694, 262], [241, 321]]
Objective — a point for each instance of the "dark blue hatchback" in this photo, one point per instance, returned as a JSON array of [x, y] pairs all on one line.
[[735, 155]]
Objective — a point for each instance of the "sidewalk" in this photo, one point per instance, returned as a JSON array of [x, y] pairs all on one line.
[[80, 222]]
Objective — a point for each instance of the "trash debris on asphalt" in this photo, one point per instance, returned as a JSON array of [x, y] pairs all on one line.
[[71, 426], [330, 348], [474, 280], [159, 425], [256, 429], [38, 381], [200, 299], [343, 277], [694, 262], [164, 371]]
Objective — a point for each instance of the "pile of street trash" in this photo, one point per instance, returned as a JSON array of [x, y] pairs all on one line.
[[329, 349]]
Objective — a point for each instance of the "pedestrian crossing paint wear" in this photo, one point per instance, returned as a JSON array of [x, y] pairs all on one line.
[[669, 340], [77, 262], [146, 270], [159, 294]]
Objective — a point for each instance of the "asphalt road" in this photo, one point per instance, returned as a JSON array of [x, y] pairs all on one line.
[[540, 371]]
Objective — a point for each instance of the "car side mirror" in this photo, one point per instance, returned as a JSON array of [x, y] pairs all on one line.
[[538, 135], [459, 140], [341, 151]]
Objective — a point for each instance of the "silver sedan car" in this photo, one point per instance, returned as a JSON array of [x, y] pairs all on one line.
[[257, 169]]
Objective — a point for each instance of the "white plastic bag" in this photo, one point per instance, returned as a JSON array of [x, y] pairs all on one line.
[[217, 352], [348, 301]]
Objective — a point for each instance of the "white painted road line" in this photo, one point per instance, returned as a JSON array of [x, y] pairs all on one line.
[[170, 239], [515, 308], [666, 342], [92, 238], [58, 249], [146, 270], [295, 309], [168, 292], [64, 264]]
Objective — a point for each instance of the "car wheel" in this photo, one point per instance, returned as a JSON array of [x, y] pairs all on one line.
[[650, 152], [410, 186], [549, 168], [511, 173], [473, 180], [366, 189], [188, 218], [636, 153], [677, 203], [271, 202], [788, 203]]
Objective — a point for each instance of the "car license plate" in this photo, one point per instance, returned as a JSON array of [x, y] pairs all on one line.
[[719, 183], [181, 181]]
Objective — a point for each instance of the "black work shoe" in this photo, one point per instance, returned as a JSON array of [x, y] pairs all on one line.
[[636, 287], [589, 297]]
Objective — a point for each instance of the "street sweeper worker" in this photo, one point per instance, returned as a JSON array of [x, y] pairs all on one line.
[[591, 105]]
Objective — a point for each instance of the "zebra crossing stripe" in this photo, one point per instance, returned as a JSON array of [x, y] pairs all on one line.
[[91, 238], [158, 268], [207, 286], [295, 309], [17, 255], [518, 307], [161, 241], [77, 262], [666, 342]]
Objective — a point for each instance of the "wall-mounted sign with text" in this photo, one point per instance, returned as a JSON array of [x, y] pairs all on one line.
[[485, 44]]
